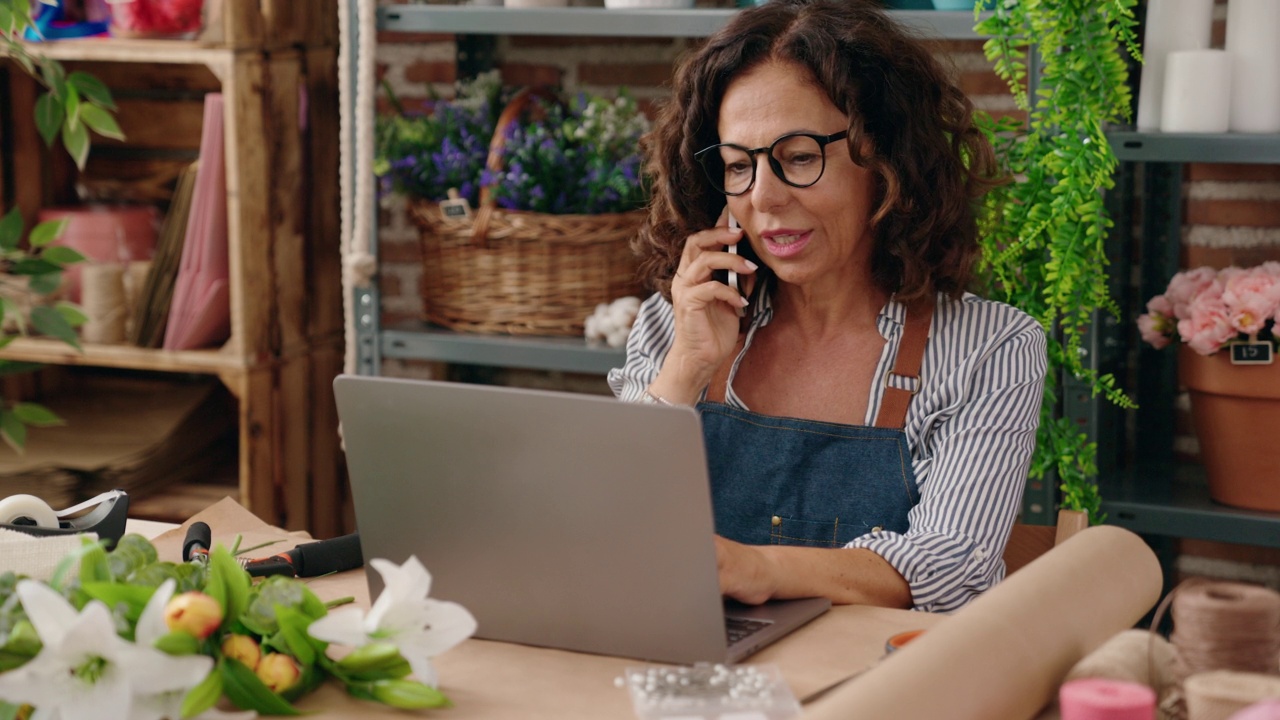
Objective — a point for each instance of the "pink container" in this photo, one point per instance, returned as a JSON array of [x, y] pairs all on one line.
[[1265, 710], [176, 19], [105, 234], [1102, 699]]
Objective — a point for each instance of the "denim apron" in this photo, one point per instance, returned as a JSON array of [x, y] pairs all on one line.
[[786, 481]]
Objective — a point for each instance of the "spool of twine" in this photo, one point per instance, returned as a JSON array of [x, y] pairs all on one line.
[[1219, 694], [1226, 626], [103, 300], [1102, 699], [1136, 656], [135, 279]]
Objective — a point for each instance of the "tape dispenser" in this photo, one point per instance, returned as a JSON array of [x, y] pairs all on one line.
[[29, 514]]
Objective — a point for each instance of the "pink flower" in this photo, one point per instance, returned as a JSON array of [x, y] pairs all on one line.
[[1152, 327], [1207, 325], [1160, 305], [1252, 297], [1185, 286]]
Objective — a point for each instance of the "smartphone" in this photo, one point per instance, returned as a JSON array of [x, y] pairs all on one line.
[[730, 277]]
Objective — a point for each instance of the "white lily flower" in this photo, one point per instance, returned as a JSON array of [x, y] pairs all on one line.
[[402, 615], [84, 671]]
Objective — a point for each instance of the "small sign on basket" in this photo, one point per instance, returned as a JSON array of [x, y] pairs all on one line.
[[1252, 353], [455, 206]]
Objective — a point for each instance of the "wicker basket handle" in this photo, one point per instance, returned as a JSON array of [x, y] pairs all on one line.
[[510, 114]]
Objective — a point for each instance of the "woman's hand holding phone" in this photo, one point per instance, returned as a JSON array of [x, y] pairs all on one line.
[[706, 310]]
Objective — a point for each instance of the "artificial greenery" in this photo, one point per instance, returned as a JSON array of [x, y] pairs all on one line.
[[1043, 234], [68, 108]]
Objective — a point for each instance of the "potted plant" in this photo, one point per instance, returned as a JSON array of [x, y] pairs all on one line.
[[1043, 233], [526, 204], [1227, 323]]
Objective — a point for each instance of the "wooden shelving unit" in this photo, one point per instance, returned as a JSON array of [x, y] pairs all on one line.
[[275, 62]]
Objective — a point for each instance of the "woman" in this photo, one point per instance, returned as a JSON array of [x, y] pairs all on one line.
[[868, 424]]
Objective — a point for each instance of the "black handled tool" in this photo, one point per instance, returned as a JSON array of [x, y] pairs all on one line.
[[196, 547], [310, 560]]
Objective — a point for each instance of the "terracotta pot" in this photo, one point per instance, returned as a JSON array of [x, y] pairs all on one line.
[[1236, 411]]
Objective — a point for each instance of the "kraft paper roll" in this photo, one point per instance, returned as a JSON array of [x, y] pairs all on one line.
[[1220, 694], [1197, 92], [1102, 699], [1171, 25], [1005, 654], [103, 300], [1253, 40]]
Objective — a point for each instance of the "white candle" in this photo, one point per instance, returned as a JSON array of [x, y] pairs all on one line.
[[1253, 40], [1171, 25]]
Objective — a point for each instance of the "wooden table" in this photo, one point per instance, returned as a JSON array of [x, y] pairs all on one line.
[[504, 681]]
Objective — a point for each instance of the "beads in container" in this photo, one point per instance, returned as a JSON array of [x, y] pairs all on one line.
[[708, 691], [172, 19]]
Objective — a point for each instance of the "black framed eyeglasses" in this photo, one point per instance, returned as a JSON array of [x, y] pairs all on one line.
[[798, 159]]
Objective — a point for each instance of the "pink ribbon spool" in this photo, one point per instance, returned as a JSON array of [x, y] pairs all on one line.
[[1102, 699], [1265, 710]]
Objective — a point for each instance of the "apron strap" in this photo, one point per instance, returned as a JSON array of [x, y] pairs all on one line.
[[915, 335], [720, 380]]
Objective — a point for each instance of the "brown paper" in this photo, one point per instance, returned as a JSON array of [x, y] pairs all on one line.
[[1005, 654], [493, 680]]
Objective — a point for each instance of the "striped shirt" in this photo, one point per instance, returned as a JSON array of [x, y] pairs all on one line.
[[971, 430]]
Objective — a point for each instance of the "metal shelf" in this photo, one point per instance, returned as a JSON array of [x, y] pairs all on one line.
[[421, 341], [1174, 500], [1195, 147], [595, 21]]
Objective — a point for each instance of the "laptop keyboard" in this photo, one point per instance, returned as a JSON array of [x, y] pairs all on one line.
[[736, 628]]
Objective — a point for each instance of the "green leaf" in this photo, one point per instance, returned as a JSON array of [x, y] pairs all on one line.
[[178, 642], [49, 116], [34, 266], [11, 229], [73, 107], [48, 231], [91, 89], [203, 696], [76, 139], [13, 431], [62, 255], [14, 367], [100, 121], [235, 582], [94, 568], [8, 712], [50, 322], [54, 78], [6, 23], [133, 597], [69, 561], [248, 692], [72, 313], [45, 283], [293, 630], [38, 415]]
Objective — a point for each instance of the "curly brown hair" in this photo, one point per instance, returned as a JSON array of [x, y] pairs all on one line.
[[931, 164]]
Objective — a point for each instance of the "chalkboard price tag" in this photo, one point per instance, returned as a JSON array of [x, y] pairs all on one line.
[[1252, 353]]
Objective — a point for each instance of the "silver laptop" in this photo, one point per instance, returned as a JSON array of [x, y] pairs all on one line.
[[560, 520]]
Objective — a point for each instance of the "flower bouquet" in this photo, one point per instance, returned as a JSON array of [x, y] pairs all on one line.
[[127, 636], [1209, 309], [526, 204], [1235, 395]]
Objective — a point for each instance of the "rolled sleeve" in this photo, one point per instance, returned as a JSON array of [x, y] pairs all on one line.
[[971, 466], [650, 339]]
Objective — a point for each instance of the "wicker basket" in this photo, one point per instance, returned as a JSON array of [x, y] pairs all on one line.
[[518, 272]]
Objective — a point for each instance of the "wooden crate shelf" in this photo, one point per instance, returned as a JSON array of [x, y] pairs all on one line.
[[282, 200]]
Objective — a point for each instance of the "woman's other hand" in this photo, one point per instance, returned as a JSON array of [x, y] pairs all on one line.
[[746, 572]]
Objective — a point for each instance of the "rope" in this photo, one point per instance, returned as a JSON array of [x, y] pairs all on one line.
[[356, 163]]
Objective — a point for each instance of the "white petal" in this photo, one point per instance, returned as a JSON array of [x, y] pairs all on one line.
[[450, 624], [93, 633], [151, 672], [423, 671], [410, 580], [43, 682], [151, 625], [107, 699], [49, 612], [344, 626]]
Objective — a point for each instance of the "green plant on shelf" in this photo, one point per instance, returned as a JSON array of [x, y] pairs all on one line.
[[1043, 234], [70, 106]]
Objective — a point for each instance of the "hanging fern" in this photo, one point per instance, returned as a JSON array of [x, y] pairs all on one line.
[[1043, 234]]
